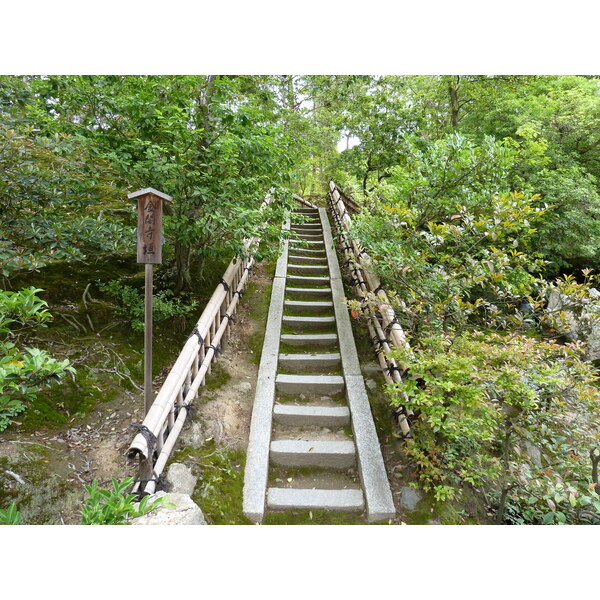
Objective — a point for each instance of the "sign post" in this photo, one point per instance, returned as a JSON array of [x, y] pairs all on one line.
[[149, 252]]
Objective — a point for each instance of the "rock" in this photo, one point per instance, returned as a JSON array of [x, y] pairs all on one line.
[[409, 497], [181, 479], [243, 387], [185, 512], [371, 384], [581, 319], [193, 436]]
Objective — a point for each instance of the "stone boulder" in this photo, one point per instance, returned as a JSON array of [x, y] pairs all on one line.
[[181, 480], [193, 435], [184, 512], [581, 320], [409, 497]]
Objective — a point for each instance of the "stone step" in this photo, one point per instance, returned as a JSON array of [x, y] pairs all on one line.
[[308, 280], [307, 211], [312, 453], [312, 499], [307, 260], [308, 322], [309, 384], [309, 416], [309, 339], [308, 228], [310, 291], [309, 243], [308, 219], [307, 268], [309, 252], [312, 307], [318, 237], [309, 361], [310, 222]]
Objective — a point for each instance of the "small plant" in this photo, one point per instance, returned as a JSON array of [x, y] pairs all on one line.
[[114, 507], [23, 372], [130, 304], [10, 516]]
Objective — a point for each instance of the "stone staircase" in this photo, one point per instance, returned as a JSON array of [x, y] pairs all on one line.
[[313, 444]]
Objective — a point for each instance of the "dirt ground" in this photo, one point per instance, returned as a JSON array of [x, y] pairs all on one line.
[[44, 471]]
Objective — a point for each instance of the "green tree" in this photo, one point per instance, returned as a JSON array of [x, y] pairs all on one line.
[[215, 143]]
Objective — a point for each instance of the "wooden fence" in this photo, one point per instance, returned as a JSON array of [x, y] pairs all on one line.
[[161, 427], [384, 330]]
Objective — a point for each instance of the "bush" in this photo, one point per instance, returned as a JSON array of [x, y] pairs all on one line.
[[510, 416], [131, 304], [23, 373]]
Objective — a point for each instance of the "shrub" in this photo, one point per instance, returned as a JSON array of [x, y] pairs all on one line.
[[511, 416], [130, 304], [23, 372]]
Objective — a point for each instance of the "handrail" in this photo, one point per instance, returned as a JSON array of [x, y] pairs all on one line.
[[161, 427], [384, 329], [351, 204]]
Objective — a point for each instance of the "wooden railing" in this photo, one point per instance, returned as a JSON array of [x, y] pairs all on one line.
[[384, 329], [162, 425]]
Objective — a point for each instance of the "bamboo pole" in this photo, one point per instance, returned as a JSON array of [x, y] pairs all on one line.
[[171, 440]]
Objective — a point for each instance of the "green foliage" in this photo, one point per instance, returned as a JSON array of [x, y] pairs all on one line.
[[496, 409], [570, 234], [10, 516], [449, 243], [57, 202], [483, 399], [131, 304], [23, 372], [216, 144], [114, 506]]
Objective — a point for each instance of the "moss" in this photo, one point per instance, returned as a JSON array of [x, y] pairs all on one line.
[[315, 517], [219, 490], [428, 509], [218, 377], [47, 495], [64, 281], [258, 299]]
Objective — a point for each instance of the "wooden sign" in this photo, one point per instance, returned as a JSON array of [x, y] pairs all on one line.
[[149, 230]]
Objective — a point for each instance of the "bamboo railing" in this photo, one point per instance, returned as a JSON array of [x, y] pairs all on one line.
[[351, 204], [161, 427], [384, 329]]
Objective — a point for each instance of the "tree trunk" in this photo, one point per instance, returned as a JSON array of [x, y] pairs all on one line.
[[182, 264], [505, 488], [454, 106]]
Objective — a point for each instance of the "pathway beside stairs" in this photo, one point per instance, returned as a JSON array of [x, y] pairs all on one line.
[[311, 413]]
